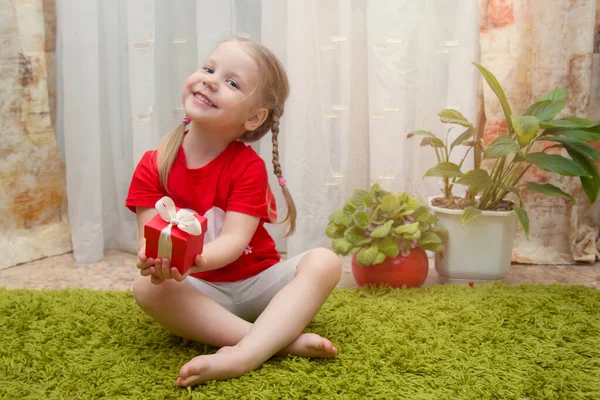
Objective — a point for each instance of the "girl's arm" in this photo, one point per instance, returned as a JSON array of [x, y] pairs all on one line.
[[238, 229]]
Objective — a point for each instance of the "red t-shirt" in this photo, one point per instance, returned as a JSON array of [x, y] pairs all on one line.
[[236, 180]]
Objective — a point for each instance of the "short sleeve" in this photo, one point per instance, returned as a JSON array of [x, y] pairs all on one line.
[[250, 193], [144, 189]]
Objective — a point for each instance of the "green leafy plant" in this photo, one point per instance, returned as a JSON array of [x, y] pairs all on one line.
[[513, 154], [377, 224]]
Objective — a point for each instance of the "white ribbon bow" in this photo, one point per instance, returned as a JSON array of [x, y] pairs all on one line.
[[183, 219]]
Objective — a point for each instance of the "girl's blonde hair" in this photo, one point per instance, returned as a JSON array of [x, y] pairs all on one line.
[[272, 92]]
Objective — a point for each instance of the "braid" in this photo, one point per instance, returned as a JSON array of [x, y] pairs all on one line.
[[291, 207], [275, 133]]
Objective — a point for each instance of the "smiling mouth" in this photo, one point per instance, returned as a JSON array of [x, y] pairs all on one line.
[[203, 99]]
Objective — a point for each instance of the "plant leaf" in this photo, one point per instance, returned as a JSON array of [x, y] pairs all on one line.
[[591, 186], [434, 142], [435, 247], [523, 219], [577, 145], [429, 237], [548, 188], [525, 128], [570, 123], [412, 236], [341, 246], [390, 203], [555, 94], [440, 231], [501, 147], [366, 256], [478, 178], [335, 231], [398, 211], [339, 218], [557, 164], [577, 134], [445, 170], [408, 228], [586, 164], [379, 258], [469, 214], [378, 192], [361, 219], [511, 189], [520, 156], [421, 133], [421, 213], [466, 135], [389, 247], [349, 209], [497, 89], [450, 116], [357, 236], [362, 198], [545, 109], [382, 231], [411, 202], [585, 136]]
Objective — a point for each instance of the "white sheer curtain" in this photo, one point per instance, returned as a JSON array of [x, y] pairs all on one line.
[[363, 74]]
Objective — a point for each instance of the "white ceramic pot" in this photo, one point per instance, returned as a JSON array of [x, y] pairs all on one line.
[[480, 251]]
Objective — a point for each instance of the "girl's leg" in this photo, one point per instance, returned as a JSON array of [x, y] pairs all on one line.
[[280, 324], [188, 313]]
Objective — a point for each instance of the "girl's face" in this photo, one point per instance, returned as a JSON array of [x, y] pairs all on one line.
[[221, 96]]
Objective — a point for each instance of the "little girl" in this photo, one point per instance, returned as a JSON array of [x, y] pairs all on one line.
[[238, 296]]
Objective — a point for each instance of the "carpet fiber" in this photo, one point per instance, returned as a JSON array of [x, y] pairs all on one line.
[[441, 342]]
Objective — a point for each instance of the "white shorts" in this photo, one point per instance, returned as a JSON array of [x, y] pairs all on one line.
[[248, 298]]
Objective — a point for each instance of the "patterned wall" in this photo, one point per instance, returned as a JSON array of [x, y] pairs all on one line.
[[532, 48], [33, 222]]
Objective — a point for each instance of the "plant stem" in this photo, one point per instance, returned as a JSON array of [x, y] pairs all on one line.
[[487, 192], [514, 182], [437, 154], [465, 157]]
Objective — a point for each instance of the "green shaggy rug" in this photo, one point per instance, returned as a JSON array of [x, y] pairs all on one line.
[[441, 342]]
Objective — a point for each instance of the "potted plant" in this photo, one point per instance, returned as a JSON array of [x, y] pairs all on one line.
[[387, 235], [481, 225]]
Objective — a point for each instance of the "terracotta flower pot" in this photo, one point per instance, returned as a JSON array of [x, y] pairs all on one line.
[[395, 272]]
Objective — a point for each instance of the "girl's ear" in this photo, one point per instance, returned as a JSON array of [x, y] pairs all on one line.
[[256, 119]]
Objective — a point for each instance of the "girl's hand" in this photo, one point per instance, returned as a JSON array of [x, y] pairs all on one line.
[[199, 263], [145, 264], [164, 270], [151, 267]]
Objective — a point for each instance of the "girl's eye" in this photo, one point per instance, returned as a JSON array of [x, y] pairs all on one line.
[[209, 70], [233, 83]]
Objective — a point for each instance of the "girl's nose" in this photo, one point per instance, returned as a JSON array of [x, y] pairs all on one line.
[[210, 82]]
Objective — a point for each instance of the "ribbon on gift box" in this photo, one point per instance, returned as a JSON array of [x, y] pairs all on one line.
[[183, 219]]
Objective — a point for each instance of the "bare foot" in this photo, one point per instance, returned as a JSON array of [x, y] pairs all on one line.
[[226, 363], [310, 345], [229, 363]]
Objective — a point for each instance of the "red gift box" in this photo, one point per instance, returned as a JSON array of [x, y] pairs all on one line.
[[183, 247]]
